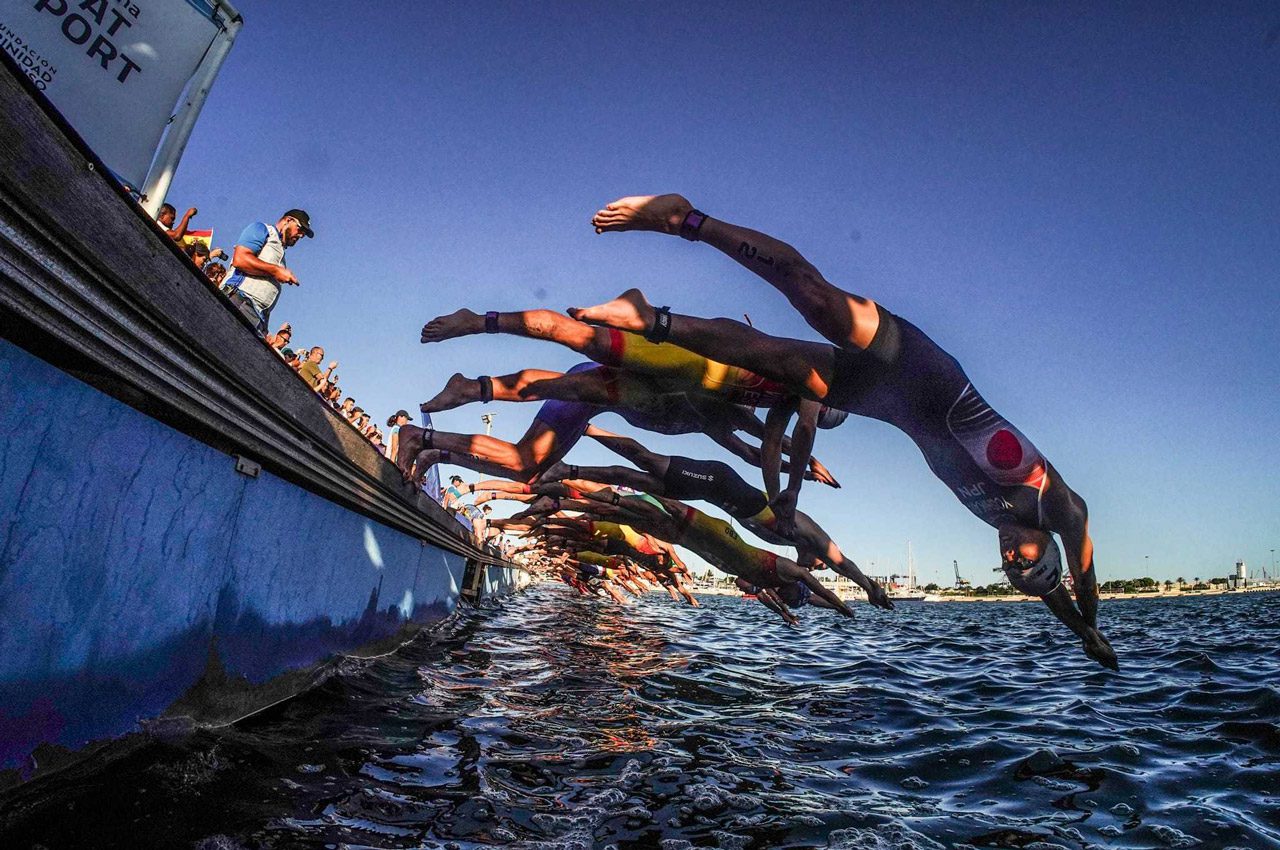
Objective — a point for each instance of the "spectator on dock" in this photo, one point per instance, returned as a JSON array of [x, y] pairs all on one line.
[[216, 272], [310, 369], [452, 494], [198, 252], [260, 268], [280, 339], [348, 405], [166, 217], [400, 417], [201, 255]]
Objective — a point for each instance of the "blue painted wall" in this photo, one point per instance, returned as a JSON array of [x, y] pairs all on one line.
[[126, 547]]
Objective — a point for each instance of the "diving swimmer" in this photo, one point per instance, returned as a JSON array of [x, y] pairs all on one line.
[[881, 366]]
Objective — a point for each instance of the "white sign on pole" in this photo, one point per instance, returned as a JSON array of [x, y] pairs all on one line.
[[113, 68]]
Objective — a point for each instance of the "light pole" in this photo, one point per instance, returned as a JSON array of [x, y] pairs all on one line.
[[487, 419], [1146, 565]]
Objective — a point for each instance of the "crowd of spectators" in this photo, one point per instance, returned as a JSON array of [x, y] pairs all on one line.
[[453, 496], [253, 284]]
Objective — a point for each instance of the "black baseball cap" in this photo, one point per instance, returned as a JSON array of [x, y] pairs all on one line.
[[303, 219]]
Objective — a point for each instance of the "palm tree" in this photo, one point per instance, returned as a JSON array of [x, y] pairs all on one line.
[[1180, 580]]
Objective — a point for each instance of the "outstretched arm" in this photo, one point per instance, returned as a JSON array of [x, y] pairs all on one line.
[[1068, 515], [181, 229], [741, 419], [775, 429], [791, 571], [784, 503], [669, 550], [771, 600]]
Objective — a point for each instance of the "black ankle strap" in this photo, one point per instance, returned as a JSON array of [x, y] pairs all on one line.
[[486, 388], [692, 225], [491, 322], [661, 325]]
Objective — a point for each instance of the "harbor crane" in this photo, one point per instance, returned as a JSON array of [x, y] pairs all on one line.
[[961, 584]]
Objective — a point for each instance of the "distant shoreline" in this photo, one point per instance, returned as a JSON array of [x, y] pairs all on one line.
[[1104, 597]]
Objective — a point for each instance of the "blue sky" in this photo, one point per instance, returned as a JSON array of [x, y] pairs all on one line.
[[1080, 204]]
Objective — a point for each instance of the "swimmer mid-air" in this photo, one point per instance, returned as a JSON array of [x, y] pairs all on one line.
[[881, 366], [559, 424], [638, 371], [717, 483]]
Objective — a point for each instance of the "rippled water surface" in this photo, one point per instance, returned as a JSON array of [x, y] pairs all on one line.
[[552, 720]]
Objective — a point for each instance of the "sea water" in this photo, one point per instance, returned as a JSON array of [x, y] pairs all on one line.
[[551, 720]]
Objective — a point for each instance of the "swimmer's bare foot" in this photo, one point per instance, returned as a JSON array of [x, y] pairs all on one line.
[[462, 322], [458, 391], [660, 213], [628, 312], [409, 444], [426, 459], [877, 596]]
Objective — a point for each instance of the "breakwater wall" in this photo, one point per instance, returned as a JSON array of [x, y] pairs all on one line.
[[186, 530]]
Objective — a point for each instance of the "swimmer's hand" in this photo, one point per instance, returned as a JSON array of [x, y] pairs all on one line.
[[784, 507], [818, 472], [659, 213], [1099, 649]]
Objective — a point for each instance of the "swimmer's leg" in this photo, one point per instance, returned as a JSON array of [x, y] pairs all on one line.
[[533, 324], [845, 319], [521, 461], [499, 485], [806, 368], [623, 476], [602, 387], [630, 449]]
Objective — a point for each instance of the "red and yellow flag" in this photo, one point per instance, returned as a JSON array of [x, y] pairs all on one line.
[[204, 237]]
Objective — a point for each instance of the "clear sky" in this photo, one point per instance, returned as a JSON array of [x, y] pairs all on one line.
[[1082, 205]]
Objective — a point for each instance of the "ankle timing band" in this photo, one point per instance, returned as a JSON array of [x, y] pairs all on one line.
[[661, 325], [691, 225]]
